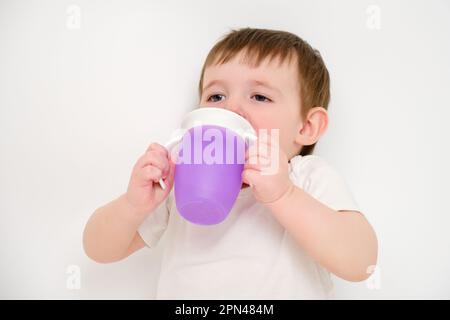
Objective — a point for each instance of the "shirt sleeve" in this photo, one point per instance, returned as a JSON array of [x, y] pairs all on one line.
[[324, 183], [152, 228]]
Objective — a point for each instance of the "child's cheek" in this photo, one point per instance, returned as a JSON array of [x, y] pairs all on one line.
[[267, 125], [259, 123]]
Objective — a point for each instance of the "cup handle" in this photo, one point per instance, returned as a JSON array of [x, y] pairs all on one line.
[[170, 145]]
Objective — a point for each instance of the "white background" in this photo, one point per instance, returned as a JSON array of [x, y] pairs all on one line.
[[80, 105]]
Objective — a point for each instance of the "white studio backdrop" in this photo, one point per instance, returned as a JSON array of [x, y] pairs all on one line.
[[86, 86]]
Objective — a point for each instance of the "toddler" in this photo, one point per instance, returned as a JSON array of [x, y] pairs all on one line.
[[287, 231]]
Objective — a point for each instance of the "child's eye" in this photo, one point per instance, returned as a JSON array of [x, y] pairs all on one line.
[[215, 96], [261, 97]]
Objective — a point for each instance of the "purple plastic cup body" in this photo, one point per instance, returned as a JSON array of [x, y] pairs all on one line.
[[208, 174]]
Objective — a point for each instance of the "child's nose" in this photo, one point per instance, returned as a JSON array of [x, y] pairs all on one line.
[[240, 110], [237, 108]]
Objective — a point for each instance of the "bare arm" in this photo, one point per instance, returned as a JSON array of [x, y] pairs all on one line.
[[342, 242], [111, 232]]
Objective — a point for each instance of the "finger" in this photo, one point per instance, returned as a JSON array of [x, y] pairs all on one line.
[[250, 177], [265, 138], [264, 157], [155, 159], [259, 163], [151, 173], [268, 144], [158, 148], [252, 163], [245, 177], [169, 179], [262, 150]]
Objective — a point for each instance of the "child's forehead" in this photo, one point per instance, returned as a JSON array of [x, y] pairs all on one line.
[[272, 70], [252, 61]]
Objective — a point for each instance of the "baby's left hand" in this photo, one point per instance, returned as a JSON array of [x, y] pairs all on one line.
[[266, 170]]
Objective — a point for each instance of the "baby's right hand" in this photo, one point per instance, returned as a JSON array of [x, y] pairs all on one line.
[[144, 193]]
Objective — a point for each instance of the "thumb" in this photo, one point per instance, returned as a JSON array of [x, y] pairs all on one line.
[[250, 177], [161, 193], [171, 175]]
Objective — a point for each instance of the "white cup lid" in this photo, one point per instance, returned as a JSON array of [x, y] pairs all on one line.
[[217, 117]]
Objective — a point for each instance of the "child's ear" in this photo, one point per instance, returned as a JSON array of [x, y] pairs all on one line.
[[313, 127]]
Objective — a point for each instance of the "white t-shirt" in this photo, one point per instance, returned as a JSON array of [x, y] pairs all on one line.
[[249, 255]]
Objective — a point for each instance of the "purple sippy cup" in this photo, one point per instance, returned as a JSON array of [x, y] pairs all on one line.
[[209, 163]]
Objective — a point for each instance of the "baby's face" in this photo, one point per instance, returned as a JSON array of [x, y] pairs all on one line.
[[267, 96]]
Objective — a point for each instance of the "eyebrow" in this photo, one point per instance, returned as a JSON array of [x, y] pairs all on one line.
[[252, 82]]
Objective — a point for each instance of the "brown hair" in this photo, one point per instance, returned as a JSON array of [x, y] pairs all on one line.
[[265, 43]]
